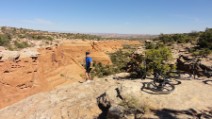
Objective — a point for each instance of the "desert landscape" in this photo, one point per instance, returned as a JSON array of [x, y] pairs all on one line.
[[48, 81], [106, 59], [53, 67]]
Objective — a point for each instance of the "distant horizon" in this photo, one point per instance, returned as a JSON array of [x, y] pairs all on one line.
[[99, 32]]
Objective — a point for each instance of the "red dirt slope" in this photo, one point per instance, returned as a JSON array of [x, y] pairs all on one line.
[[55, 66]]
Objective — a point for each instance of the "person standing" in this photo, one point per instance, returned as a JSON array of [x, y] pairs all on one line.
[[88, 65]]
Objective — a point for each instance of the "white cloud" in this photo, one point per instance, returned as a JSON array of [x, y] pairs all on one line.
[[39, 21]]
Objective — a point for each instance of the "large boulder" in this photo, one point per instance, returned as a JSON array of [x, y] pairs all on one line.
[[11, 55], [123, 101], [32, 54], [116, 112]]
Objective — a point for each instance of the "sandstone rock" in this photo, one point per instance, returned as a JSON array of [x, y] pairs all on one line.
[[121, 76], [32, 54], [118, 98], [1, 56], [116, 112], [49, 75], [78, 101], [62, 103], [10, 55]]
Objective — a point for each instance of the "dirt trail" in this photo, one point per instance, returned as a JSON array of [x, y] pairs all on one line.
[[55, 66]]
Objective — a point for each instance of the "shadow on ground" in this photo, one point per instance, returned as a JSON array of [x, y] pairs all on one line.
[[209, 82], [176, 114], [103, 108]]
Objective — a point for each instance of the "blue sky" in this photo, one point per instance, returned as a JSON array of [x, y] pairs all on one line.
[[108, 16]]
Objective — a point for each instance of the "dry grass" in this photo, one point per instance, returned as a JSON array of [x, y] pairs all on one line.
[[134, 106]]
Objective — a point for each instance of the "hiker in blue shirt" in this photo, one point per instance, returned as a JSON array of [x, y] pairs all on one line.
[[88, 64]]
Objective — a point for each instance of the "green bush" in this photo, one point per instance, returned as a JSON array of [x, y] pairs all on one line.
[[119, 60], [5, 40], [40, 37], [81, 36], [134, 106], [166, 39], [130, 104], [102, 70], [205, 40], [3, 29], [178, 38], [150, 45], [157, 58], [194, 34], [154, 45], [21, 44], [201, 52], [21, 36], [49, 38]]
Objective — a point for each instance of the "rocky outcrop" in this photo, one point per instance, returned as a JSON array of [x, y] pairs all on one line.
[[81, 101], [10, 55], [123, 101], [15, 55], [1, 56], [31, 53], [75, 101], [38, 70], [107, 98]]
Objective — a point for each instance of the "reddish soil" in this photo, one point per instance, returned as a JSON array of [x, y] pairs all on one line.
[[55, 66]]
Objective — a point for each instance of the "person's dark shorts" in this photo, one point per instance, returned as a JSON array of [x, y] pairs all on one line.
[[88, 69]]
